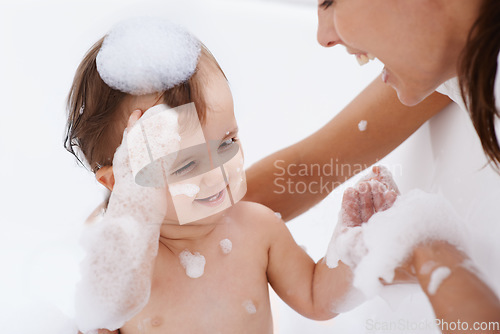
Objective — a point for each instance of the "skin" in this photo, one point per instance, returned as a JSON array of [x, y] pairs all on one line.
[[415, 67], [410, 92], [452, 302], [263, 252], [419, 42], [389, 124]]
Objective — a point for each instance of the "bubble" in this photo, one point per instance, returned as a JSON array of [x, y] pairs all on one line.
[[193, 263], [437, 277], [249, 307], [362, 125], [146, 55], [226, 245]]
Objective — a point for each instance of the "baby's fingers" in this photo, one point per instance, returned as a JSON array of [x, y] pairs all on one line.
[[351, 215], [366, 201], [382, 174], [383, 198], [384, 201], [133, 118]]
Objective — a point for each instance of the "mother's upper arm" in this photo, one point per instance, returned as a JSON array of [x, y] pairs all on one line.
[[389, 124]]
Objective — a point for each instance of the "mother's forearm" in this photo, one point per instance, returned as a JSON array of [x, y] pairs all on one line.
[[294, 179], [459, 294]]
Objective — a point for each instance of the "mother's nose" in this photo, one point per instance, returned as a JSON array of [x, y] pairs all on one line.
[[327, 34]]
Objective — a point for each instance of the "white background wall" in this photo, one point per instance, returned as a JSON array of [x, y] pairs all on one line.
[[285, 87]]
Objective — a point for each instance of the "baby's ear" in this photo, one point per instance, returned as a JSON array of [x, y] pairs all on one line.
[[106, 177]]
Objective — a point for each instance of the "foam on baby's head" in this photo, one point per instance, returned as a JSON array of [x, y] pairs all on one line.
[[147, 55], [136, 57]]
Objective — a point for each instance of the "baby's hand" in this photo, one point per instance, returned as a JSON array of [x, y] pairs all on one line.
[[383, 175], [364, 200], [376, 192], [133, 118]]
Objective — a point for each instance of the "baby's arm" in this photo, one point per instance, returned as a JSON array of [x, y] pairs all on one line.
[[120, 250], [312, 289], [316, 290]]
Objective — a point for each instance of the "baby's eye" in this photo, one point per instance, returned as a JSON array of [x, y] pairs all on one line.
[[185, 169], [226, 144]]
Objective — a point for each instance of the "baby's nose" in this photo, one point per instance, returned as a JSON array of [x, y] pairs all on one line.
[[213, 178]]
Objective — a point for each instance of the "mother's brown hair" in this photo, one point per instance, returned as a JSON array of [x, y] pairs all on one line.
[[95, 126], [477, 70]]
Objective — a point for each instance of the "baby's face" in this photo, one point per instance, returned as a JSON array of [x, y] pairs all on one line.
[[207, 175]]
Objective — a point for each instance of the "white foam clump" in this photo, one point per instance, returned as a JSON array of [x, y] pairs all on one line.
[[188, 189], [146, 55], [362, 125], [120, 250], [437, 277], [249, 307], [226, 246], [376, 248], [193, 263]]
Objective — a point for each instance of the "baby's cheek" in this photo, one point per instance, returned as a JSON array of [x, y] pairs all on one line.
[[236, 177], [171, 214]]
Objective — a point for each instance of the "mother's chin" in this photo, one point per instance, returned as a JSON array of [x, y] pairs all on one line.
[[410, 96]]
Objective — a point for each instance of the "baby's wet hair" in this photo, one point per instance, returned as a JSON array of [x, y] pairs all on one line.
[[97, 114]]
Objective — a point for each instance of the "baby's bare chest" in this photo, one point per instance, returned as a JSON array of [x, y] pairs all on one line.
[[226, 292]]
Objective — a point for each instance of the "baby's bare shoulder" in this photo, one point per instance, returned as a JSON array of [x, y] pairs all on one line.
[[257, 216]]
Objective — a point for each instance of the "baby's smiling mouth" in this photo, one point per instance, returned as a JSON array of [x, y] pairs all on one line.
[[213, 200]]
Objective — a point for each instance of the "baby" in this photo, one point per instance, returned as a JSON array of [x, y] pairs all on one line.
[[209, 256]]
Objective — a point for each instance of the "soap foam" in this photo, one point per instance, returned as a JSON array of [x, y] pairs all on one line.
[[226, 245], [146, 55], [249, 307], [193, 263], [187, 189], [437, 277], [121, 245], [362, 125], [120, 250], [375, 249]]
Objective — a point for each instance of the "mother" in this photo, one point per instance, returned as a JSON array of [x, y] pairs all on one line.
[[423, 44]]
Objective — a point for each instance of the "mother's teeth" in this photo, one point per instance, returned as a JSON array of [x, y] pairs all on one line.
[[370, 56], [362, 59]]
